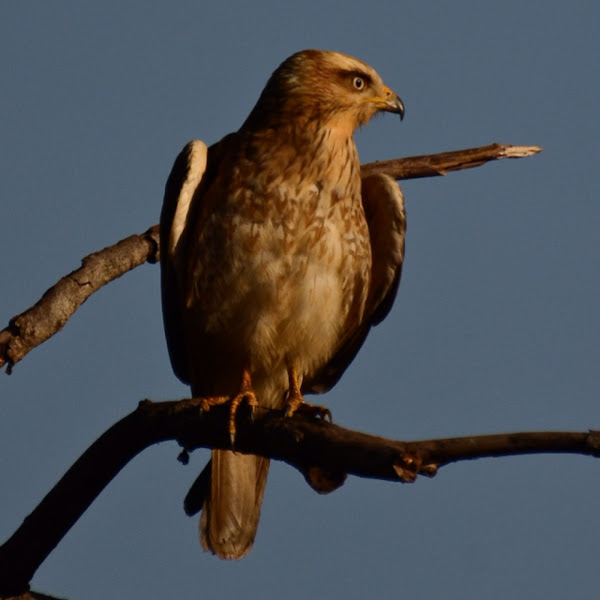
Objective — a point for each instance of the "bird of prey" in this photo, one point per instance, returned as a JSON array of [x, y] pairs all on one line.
[[276, 260]]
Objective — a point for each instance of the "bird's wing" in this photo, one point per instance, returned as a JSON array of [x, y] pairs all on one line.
[[184, 179], [383, 204]]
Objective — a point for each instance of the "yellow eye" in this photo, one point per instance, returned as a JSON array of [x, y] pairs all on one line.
[[359, 83]]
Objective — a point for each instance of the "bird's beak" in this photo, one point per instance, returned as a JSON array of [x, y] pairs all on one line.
[[392, 102]]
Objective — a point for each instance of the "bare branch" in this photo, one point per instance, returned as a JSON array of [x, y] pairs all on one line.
[[430, 165], [323, 452], [57, 305]]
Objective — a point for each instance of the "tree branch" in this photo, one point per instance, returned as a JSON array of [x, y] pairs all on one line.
[[324, 453], [48, 316], [50, 313], [430, 165]]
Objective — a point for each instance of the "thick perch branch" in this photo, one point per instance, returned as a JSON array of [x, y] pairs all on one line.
[[57, 305], [320, 450]]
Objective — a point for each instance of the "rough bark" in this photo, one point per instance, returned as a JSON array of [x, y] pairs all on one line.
[[50, 313]]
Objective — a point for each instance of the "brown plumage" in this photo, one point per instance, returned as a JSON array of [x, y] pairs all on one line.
[[275, 264]]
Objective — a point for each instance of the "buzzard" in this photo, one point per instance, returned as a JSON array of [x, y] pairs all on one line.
[[276, 261]]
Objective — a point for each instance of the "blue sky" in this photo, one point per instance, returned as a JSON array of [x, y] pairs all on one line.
[[495, 328]]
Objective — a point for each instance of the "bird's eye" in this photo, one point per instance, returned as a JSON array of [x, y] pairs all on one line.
[[358, 83]]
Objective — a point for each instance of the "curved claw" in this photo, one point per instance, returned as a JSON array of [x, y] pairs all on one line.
[[307, 410], [246, 394]]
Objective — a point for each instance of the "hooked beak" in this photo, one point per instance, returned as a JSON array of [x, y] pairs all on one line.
[[392, 102]]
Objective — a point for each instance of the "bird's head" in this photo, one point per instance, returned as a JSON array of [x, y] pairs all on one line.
[[334, 89]]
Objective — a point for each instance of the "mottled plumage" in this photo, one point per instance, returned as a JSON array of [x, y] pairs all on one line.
[[275, 264]]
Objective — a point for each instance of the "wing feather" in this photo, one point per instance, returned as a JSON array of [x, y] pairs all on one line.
[[185, 177], [383, 204]]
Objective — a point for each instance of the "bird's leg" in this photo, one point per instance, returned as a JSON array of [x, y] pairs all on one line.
[[246, 394], [295, 400]]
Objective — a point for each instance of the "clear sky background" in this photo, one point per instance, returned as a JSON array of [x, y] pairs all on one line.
[[496, 327]]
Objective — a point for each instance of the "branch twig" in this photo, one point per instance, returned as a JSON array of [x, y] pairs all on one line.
[[57, 305], [316, 448]]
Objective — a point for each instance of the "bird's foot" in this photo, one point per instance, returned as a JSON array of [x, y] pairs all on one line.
[[206, 403], [295, 401], [247, 395], [297, 405]]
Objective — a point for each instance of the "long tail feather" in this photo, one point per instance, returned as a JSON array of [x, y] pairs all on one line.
[[232, 508]]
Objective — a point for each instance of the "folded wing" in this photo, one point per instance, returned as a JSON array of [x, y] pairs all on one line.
[[383, 204], [183, 182]]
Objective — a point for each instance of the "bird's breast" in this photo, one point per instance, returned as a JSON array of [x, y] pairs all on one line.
[[279, 269]]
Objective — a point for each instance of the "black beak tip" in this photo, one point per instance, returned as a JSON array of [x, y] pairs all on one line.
[[401, 109]]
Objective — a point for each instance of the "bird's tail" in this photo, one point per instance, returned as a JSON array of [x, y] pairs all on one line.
[[232, 502], [230, 489]]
